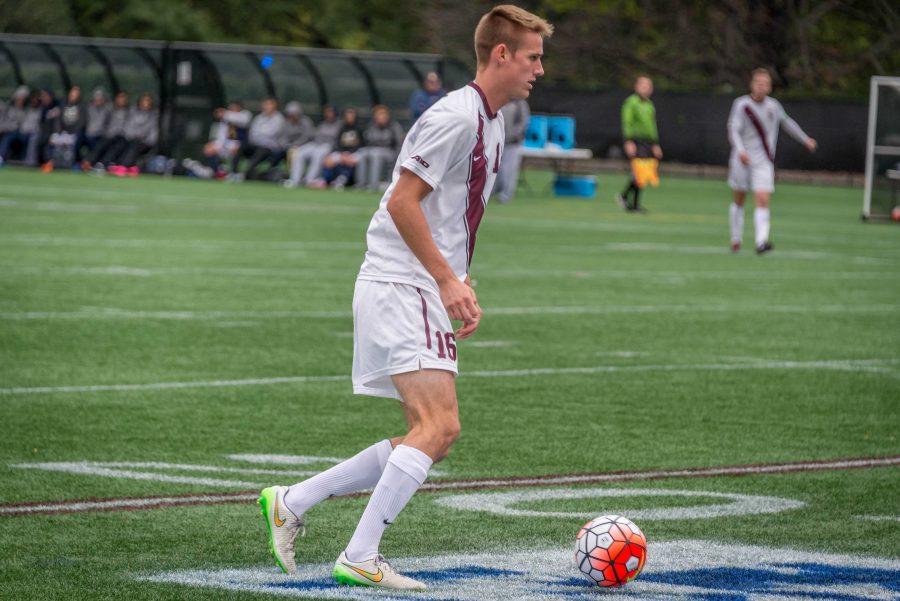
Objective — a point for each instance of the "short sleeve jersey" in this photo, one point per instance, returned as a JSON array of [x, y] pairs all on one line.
[[753, 127], [455, 148]]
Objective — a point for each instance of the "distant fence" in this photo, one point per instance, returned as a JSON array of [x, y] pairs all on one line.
[[189, 80], [692, 127]]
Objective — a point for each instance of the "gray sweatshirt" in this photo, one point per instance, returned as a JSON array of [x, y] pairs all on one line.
[[515, 116], [327, 132], [97, 119], [298, 133], [143, 127], [116, 124], [11, 118], [390, 136], [267, 131], [32, 122]]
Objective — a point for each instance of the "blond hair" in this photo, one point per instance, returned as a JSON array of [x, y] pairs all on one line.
[[760, 71], [504, 24]]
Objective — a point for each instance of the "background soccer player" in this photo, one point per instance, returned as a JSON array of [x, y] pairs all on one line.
[[641, 136], [413, 282], [753, 132]]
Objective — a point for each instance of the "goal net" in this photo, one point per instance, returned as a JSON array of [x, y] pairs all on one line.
[[883, 149]]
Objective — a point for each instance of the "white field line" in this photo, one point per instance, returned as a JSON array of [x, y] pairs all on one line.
[[52, 241], [145, 272], [741, 470], [878, 518], [490, 272], [187, 201], [879, 366], [687, 249], [658, 276], [125, 504], [37, 205], [115, 313], [475, 484]]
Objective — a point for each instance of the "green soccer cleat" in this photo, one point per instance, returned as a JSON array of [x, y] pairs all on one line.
[[283, 527], [376, 572]]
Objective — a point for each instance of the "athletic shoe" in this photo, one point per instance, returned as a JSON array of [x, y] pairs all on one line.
[[764, 248], [376, 572], [47, 167], [621, 201], [735, 247], [340, 182], [283, 526]]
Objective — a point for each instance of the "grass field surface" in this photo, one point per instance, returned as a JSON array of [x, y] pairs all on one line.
[[170, 346]]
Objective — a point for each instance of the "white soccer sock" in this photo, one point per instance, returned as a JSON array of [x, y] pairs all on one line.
[[357, 473], [737, 223], [761, 221], [406, 470]]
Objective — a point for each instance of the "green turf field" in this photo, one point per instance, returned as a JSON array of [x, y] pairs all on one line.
[[165, 341]]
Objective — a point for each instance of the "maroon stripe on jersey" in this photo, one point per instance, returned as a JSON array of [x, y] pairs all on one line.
[[487, 108], [425, 318], [477, 182], [757, 125]]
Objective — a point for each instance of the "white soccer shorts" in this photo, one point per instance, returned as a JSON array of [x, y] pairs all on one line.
[[756, 177], [397, 328]]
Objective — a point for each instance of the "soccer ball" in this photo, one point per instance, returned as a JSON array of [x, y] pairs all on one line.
[[610, 550], [895, 213]]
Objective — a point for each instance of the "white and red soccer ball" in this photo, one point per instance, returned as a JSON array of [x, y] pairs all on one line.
[[610, 550]]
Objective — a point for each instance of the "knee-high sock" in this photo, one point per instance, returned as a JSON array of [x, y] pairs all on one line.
[[405, 472], [761, 221], [736, 218], [637, 196], [360, 472]]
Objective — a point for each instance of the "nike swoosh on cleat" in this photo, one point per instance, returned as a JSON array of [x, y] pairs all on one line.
[[278, 521], [373, 576]]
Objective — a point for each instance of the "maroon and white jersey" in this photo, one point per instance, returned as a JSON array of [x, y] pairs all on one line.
[[455, 148], [753, 128]]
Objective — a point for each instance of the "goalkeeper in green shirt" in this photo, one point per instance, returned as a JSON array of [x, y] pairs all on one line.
[[641, 138]]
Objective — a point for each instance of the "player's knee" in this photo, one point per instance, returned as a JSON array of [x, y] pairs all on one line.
[[452, 430], [449, 436], [445, 434]]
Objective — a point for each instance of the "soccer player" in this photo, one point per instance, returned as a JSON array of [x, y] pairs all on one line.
[[413, 282], [753, 132], [641, 137]]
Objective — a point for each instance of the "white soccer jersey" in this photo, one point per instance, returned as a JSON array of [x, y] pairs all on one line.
[[455, 147], [753, 128]]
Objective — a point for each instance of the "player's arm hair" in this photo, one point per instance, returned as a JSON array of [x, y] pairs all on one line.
[[404, 207]]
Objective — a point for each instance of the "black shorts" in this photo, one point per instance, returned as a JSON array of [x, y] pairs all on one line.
[[643, 149]]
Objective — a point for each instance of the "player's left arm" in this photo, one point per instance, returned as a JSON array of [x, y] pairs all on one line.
[[471, 325], [796, 132], [404, 207]]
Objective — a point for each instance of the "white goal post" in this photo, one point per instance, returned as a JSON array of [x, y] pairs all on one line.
[[882, 191]]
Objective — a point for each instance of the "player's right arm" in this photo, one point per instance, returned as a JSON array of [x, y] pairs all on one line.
[[404, 207], [735, 119]]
